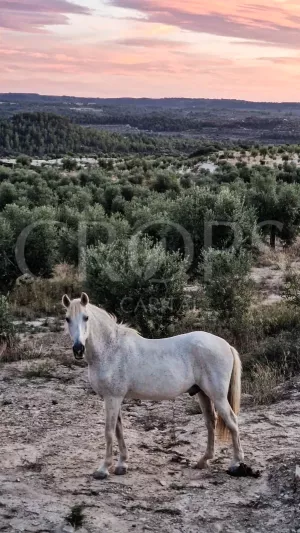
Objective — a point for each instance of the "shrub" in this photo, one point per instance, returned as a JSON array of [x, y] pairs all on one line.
[[44, 369], [40, 234], [274, 319], [24, 160], [165, 182], [282, 351], [69, 164], [43, 296], [139, 281], [199, 210], [262, 381], [228, 290]]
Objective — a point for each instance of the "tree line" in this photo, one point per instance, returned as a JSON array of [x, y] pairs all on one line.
[[40, 134]]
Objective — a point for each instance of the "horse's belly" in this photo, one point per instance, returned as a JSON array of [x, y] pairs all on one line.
[[157, 391], [155, 397], [161, 377]]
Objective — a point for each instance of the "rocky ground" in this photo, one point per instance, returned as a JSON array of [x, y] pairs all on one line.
[[52, 438]]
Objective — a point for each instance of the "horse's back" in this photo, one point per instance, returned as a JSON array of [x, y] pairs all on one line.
[[196, 339]]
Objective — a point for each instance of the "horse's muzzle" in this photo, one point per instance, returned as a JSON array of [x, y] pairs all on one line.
[[78, 351]]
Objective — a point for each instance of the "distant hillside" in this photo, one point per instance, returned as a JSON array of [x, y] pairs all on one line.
[[152, 102], [211, 121], [39, 134]]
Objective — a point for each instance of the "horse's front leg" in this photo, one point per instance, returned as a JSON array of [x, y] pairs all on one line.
[[112, 409], [121, 468]]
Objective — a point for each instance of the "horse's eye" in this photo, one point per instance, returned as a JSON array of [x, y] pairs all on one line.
[[85, 318], [68, 320]]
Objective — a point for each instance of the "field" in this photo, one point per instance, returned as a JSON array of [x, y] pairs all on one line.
[[174, 227]]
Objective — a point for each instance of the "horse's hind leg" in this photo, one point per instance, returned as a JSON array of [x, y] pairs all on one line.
[[230, 419], [112, 409], [121, 467], [210, 421]]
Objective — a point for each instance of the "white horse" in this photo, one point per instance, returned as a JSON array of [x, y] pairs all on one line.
[[122, 364]]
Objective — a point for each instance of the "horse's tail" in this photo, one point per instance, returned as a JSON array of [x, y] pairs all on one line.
[[234, 394]]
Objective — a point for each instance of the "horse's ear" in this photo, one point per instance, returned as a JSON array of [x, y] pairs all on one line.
[[84, 299], [66, 301]]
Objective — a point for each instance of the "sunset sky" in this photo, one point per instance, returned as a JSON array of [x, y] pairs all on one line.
[[156, 48]]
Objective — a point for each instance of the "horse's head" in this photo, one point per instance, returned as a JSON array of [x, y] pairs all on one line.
[[77, 319]]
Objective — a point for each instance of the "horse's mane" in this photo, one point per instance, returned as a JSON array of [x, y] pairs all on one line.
[[97, 311]]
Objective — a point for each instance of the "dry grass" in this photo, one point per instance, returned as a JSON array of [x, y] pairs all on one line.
[[31, 350], [262, 382], [281, 258], [43, 296], [44, 369]]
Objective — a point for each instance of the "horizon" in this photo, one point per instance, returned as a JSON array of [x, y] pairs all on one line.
[[241, 50], [86, 97]]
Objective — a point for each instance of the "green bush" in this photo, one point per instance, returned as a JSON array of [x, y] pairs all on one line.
[[69, 164], [271, 320], [262, 381], [138, 281], [228, 289], [165, 182], [24, 160], [283, 351], [35, 230]]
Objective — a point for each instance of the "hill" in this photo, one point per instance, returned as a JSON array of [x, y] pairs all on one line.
[[50, 134], [217, 120], [221, 103]]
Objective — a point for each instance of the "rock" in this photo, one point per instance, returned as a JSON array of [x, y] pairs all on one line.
[[297, 474]]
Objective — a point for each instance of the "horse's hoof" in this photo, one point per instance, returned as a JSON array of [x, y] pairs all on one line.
[[98, 474], [120, 470]]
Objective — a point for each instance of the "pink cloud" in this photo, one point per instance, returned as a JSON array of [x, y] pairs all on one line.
[[33, 15], [115, 59], [282, 60], [272, 24], [148, 43]]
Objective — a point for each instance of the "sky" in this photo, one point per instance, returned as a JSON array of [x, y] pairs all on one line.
[[152, 48]]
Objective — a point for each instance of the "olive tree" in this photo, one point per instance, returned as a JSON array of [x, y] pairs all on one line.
[[140, 282]]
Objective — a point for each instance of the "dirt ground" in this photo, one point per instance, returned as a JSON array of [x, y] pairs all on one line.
[[52, 438]]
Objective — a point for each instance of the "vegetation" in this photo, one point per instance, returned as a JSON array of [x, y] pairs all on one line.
[[7, 330], [262, 383], [42, 133], [140, 282], [43, 370], [144, 224], [228, 288], [76, 517]]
